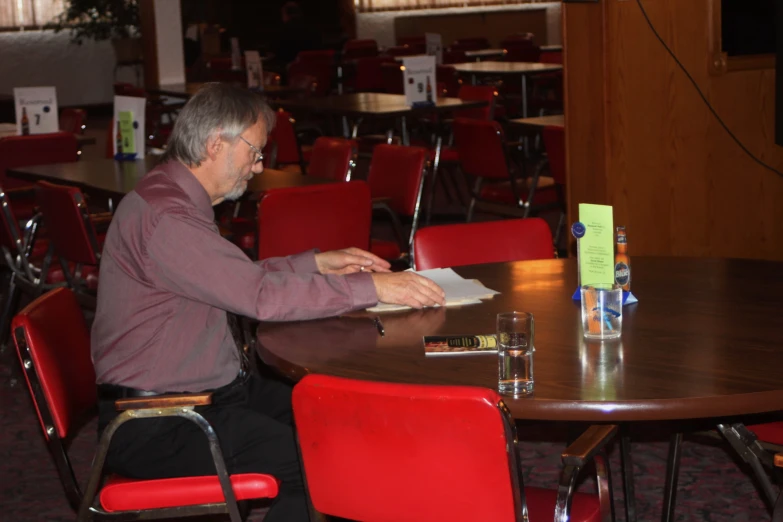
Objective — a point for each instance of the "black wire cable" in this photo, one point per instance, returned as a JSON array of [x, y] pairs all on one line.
[[703, 97]]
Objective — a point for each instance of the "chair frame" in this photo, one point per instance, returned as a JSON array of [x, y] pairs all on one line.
[[383, 206], [590, 446], [24, 275], [147, 407]]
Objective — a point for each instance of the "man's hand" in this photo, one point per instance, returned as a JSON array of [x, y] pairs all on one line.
[[349, 261], [407, 288]]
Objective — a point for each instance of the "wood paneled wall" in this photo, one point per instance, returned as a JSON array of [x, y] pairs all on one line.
[[639, 137], [494, 25]]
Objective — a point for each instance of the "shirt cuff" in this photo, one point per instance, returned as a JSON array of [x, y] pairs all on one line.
[[304, 263], [362, 290]]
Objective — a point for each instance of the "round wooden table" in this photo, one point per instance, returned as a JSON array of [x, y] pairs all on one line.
[[705, 340]]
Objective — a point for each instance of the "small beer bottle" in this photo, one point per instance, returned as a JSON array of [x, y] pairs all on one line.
[[622, 263], [429, 90], [25, 122]]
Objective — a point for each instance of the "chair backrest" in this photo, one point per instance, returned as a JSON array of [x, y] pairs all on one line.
[[392, 78], [332, 158], [53, 345], [470, 44], [38, 149], [323, 55], [10, 234], [377, 451], [411, 40], [522, 54], [397, 173], [448, 77], [369, 77], [518, 40], [485, 93], [353, 49], [551, 57], [401, 50], [481, 148], [284, 141], [320, 70], [454, 56], [128, 89], [51, 333], [328, 217], [72, 120], [554, 143], [68, 223], [460, 244]]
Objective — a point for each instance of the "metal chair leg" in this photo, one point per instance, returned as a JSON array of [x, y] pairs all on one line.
[[750, 450], [627, 467], [10, 306], [672, 472]]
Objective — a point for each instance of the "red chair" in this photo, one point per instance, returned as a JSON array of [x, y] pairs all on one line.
[[401, 50], [73, 120], [452, 56], [411, 41], [324, 55], [447, 77], [497, 186], [546, 93], [53, 345], [71, 232], [333, 158], [303, 72], [328, 217], [466, 243], [38, 149], [392, 78], [396, 179], [353, 49], [375, 451], [449, 154], [283, 146], [368, 75]]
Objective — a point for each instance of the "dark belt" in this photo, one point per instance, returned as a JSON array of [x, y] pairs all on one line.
[[112, 392]]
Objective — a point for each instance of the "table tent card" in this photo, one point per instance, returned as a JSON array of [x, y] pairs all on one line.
[[128, 130], [36, 110], [236, 55], [434, 46], [594, 235], [419, 79], [255, 71]]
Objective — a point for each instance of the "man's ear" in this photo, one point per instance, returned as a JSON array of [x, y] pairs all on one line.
[[215, 145]]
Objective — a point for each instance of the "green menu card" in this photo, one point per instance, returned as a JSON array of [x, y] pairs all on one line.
[[127, 132], [596, 248]]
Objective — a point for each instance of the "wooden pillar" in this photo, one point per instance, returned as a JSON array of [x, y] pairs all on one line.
[[347, 16], [162, 41]]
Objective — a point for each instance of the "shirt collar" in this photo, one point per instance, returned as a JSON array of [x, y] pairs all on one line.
[[183, 177]]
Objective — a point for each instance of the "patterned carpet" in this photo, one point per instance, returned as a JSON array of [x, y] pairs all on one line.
[[712, 487]]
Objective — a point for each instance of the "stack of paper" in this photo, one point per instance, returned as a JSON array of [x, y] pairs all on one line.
[[459, 291]]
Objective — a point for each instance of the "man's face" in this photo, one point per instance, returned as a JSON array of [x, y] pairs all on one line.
[[242, 161]]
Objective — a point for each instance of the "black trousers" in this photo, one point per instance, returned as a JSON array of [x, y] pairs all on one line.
[[253, 420]]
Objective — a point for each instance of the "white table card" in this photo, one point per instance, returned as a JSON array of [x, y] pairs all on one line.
[[36, 110], [255, 71], [419, 79]]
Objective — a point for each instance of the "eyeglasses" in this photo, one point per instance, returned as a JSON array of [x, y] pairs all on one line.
[[259, 154]]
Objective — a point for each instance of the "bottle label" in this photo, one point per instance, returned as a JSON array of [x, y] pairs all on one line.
[[621, 239], [621, 274]]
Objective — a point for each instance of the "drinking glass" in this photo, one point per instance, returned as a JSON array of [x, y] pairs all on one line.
[[602, 311], [515, 353]]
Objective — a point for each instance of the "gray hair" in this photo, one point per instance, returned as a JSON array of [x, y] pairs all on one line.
[[215, 108]]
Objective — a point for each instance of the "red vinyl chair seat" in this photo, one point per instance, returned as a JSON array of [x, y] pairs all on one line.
[[771, 432], [122, 494], [447, 155], [89, 274], [541, 505], [385, 249]]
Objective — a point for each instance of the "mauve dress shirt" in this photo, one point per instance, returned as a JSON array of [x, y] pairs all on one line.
[[168, 278]]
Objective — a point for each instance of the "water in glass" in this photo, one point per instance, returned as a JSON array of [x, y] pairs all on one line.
[[515, 365]]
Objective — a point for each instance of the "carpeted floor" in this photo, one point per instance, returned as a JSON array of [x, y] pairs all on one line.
[[712, 487]]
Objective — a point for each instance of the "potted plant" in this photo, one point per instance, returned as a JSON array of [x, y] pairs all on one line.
[[115, 20]]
